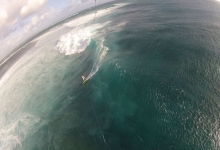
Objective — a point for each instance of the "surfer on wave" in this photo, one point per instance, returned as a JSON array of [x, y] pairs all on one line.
[[84, 79]]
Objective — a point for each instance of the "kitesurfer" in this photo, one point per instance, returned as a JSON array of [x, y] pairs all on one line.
[[84, 79]]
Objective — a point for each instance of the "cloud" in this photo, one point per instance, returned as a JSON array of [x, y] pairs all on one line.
[[31, 7], [14, 12], [37, 20], [4, 23], [3, 17]]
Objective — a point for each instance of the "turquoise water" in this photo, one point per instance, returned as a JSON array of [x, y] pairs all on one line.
[[153, 81]]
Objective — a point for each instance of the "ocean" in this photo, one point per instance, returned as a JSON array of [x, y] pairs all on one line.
[[153, 80]]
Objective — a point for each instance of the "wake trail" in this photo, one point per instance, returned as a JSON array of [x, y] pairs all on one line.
[[101, 53]]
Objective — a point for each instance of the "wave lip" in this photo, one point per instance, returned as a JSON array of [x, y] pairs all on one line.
[[74, 42]]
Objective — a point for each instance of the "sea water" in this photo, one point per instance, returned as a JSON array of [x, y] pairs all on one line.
[[152, 70]]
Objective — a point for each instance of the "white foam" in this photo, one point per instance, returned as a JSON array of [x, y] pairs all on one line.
[[74, 42], [14, 132], [78, 39]]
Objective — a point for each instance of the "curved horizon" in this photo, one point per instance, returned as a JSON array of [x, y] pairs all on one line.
[[64, 14]]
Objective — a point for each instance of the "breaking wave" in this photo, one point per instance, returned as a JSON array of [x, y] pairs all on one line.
[[79, 38], [73, 42]]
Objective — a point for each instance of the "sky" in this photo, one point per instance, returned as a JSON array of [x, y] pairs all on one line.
[[21, 19]]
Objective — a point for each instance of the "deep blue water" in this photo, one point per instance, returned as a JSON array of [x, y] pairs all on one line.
[[153, 82]]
